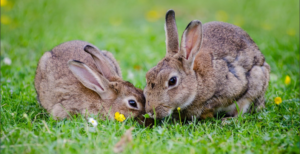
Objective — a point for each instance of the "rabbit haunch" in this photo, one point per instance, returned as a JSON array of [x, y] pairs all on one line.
[[76, 77], [215, 65]]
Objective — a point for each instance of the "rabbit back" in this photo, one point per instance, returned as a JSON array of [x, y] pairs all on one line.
[[58, 90], [239, 68]]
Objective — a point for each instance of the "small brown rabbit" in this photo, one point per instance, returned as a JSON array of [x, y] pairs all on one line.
[[216, 65], [76, 77]]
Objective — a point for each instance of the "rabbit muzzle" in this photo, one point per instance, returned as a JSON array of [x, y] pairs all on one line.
[[159, 112]]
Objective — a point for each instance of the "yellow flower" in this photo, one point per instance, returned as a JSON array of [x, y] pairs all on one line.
[[122, 117], [266, 26], [152, 15], [3, 2], [221, 16], [278, 100], [178, 108], [119, 117], [287, 80], [5, 19], [291, 32]]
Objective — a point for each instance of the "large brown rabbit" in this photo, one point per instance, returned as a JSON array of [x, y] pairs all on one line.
[[76, 77], [216, 65]]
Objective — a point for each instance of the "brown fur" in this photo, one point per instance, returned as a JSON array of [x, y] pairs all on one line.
[[62, 94], [228, 67]]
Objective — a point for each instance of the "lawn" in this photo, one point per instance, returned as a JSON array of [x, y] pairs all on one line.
[[133, 31]]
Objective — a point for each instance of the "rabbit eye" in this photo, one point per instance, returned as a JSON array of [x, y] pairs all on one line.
[[172, 81], [132, 103]]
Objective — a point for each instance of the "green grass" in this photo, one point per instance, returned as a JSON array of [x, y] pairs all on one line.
[[138, 43]]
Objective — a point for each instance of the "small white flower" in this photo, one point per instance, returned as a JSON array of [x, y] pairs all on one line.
[[7, 61], [93, 122], [25, 115]]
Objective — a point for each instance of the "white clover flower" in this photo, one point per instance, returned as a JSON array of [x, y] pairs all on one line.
[[25, 115], [93, 122], [7, 61]]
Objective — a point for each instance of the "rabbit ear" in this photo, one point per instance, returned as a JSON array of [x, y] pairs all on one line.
[[88, 77], [171, 34], [191, 40], [103, 65]]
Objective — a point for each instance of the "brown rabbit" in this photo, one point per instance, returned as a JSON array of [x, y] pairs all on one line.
[[76, 77], [216, 65]]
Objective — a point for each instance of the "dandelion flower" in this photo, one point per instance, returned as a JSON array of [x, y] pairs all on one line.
[[122, 117], [291, 32], [287, 80], [266, 26], [3, 2], [152, 15], [178, 109], [93, 122], [278, 100], [117, 114], [7, 61], [221, 16], [119, 117]]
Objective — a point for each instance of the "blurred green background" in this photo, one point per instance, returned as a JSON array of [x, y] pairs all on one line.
[[134, 32]]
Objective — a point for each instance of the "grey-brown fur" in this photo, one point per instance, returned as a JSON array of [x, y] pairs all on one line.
[[228, 67], [61, 92]]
